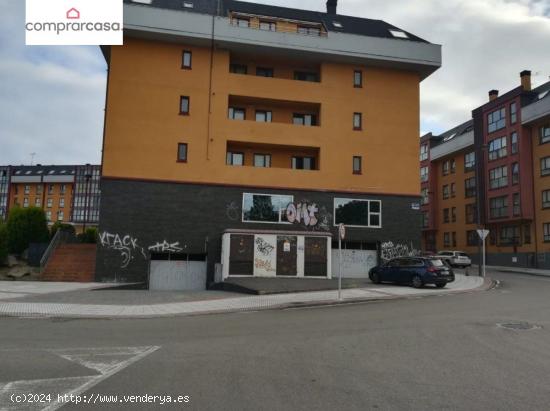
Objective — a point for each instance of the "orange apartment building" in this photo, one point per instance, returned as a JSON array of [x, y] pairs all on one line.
[[68, 194], [240, 135], [507, 191]]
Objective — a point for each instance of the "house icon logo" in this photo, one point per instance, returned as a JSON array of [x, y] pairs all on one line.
[[73, 14]]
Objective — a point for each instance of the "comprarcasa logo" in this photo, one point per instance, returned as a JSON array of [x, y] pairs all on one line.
[[74, 22]]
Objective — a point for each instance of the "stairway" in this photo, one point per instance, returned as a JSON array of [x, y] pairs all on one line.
[[72, 263]]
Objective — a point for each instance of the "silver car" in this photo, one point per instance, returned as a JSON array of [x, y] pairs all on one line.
[[455, 258]]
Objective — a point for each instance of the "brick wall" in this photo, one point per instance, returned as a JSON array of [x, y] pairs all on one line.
[[72, 262]]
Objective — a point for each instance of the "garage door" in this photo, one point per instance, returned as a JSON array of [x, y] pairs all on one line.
[[177, 275], [355, 263]]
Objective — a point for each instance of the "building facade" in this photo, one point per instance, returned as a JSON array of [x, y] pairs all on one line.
[[239, 131], [68, 194], [490, 173]]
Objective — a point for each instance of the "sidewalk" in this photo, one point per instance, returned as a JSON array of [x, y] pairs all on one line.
[[515, 270], [232, 303]]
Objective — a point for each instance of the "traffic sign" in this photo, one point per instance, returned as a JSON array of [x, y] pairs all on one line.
[[342, 231], [483, 234]]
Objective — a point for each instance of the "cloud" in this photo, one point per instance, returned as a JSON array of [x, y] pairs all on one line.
[[52, 98]]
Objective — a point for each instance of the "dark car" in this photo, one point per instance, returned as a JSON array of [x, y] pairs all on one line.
[[416, 271]]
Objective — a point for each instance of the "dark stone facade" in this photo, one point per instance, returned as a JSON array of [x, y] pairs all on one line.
[[136, 215]]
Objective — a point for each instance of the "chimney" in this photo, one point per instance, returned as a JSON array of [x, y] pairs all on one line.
[[526, 80], [331, 6], [493, 95]]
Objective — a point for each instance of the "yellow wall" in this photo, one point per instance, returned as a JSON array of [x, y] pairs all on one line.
[[143, 126], [540, 184], [43, 196]]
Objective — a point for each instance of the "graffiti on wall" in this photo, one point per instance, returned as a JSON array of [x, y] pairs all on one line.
[[302, 213], [127, 245], [263, 246], [166, 247], [261, 264], [232, 211], [389, 250]]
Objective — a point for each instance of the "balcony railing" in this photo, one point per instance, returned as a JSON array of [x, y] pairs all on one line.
[[269, 24]]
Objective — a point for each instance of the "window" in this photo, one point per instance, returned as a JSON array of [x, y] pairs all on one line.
[[425, 219], [545, 166], [337, 24], [425, 196], [237, 113], [516, 209], [238, 68], [262, 160], [16, 189], [446, 218], [50, 203], [446, 167], [470, 187], [469, 161], [186, 59], [27, 189], [423, 174], [545, 134], [303, 163], [357, 121], [472, 238], [265, 208], [497, 148], [37, 202], [49, 215], [315, 31], [182, 152], [513, 113], [527, 234], [399, 34], [446, 192], [304, 119], [60, 215], [39, 189], [509, 235], [423, 152], [61, 203], [546, 199], [25, 202], [235, 159], [453, 190], [306, 76], [357, 166], [453, 215], [514, 142], [496, 120], [264, 72], [546, 232], [188, 4], [184, 105], [498, 177], [241, 22], [454, 239], [498, 207], [264, 116], [453, 166], [515, 173], [268, 25], [357, 79], [358, 212], [471, 213], [446, 240], [62, 189]]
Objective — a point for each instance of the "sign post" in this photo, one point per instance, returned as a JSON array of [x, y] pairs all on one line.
[[341, 236], [483, 235]]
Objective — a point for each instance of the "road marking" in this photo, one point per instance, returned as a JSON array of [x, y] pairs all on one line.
[[107, 361]]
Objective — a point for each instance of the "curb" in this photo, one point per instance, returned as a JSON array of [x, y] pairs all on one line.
[[488, 285]]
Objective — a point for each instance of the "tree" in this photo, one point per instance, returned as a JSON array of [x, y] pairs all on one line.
[[3, 243], [58, 225], [25, 226], [89, 236]]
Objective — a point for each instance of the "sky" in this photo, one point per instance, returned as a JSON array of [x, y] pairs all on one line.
[[52, 98]]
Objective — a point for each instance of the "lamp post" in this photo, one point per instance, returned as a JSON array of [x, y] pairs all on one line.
[[88, 177]]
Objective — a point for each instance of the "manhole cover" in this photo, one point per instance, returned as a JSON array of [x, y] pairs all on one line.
[[521, 326]]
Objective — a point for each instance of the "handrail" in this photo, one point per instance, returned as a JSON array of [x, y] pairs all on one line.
[[49, 251]]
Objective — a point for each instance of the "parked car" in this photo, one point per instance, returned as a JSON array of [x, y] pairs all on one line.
[[415, 271], [455, 258]]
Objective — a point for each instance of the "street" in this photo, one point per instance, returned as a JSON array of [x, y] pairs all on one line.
[[435, 353]]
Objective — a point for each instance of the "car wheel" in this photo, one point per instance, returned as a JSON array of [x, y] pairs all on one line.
[[417, 282], [375, 278], [441, 285]]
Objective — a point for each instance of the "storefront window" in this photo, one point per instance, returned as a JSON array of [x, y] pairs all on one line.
[[265, 208], [359, 213]]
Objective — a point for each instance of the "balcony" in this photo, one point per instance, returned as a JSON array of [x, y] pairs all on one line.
[[267, 156], [251, 21]]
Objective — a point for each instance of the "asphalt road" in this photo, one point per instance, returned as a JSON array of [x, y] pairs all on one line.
[[435, 353]]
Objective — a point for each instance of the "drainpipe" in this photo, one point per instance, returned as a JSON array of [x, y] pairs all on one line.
[[208, 124]]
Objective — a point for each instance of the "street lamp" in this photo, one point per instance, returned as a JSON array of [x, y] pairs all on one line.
[[88, 177]]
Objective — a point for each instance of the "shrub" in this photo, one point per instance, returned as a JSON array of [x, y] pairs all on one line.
[[58, 225], [25, 226], [3, 243], [89, 236]]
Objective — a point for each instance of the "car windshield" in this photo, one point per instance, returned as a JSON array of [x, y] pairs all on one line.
[[462, 254], [437, 263]]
